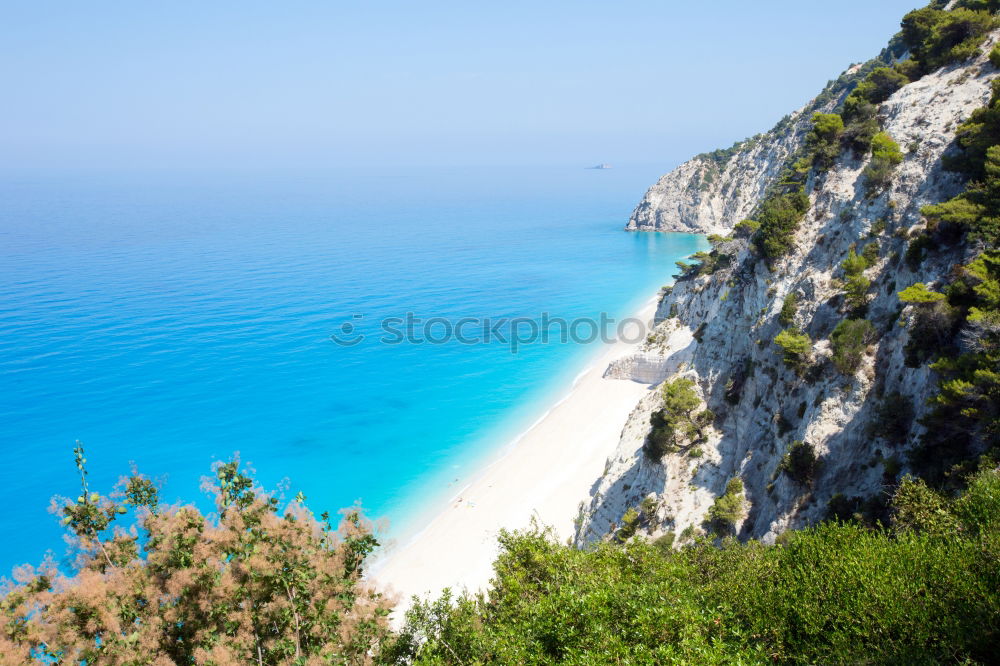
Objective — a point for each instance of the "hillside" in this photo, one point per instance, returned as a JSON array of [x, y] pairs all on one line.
[[718, 325]]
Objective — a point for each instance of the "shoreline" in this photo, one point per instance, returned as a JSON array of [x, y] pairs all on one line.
[[543, 474]]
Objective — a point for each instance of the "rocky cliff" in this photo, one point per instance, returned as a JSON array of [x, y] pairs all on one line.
[[710, 192], [718, 329]]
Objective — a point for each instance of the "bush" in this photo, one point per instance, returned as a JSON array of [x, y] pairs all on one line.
[[894, 418], [916, 250], [870, 254], [727, 509], [932, 332], [779, 219], [976, 136], [797, 348], [919, 293], [678, 422], [857, 285], [630, 522], [849, 340], [843, 508], [250, 584], [823, 140], [880, 84], [789, 307], [995, 56], [856, 291], [854, 264], [665, 543], [885, 156], [937, 38], [746, 228], [800, 462], [835, 593]]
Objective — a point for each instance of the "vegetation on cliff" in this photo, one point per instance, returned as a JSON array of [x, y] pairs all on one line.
[[925, 589]]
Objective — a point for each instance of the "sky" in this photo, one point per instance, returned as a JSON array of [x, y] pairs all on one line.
[[189, 83]]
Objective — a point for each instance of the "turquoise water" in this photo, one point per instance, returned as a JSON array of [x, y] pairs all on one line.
[[172, 319]]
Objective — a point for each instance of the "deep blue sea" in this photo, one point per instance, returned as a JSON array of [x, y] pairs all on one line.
[[171, 319]]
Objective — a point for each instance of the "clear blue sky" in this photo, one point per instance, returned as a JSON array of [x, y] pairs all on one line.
[[223, 83]]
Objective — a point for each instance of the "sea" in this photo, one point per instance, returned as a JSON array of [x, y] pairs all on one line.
[[304, 320]]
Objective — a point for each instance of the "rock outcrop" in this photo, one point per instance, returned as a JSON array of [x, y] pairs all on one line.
[[718, 329]]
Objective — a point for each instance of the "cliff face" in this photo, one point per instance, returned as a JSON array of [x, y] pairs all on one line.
[[718, 329], [705, 195], [711, 192]]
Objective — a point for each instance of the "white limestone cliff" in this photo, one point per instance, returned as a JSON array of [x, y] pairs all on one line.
[[734, 314]]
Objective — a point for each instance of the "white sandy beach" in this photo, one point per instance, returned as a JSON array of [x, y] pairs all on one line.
[[546, 474]]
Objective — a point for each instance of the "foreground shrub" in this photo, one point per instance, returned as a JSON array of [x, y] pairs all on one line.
[[256, 585], [836, 593]]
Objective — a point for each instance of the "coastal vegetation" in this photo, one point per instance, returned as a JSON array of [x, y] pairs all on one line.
[[151, 583], [924, 588], [679, 423], [849, 340], [797, 348]]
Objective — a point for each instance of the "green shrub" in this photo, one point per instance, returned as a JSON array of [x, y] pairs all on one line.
[[823, 140], [870, 254], [856, 285], [779, 219], [880, 84], [800, 462], [856, 291], [885, 156], [678, 422], [843, 508], [789, 307], [995, 56], [919, 293], [917, 508], [797, 348], [916, 250], [854, 264], [976, 136], [894, 418], [727, 509], [932, 332], [849, 340], [835, 593], [630, 522], [937, 38], [665, 543], [746, 228]]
